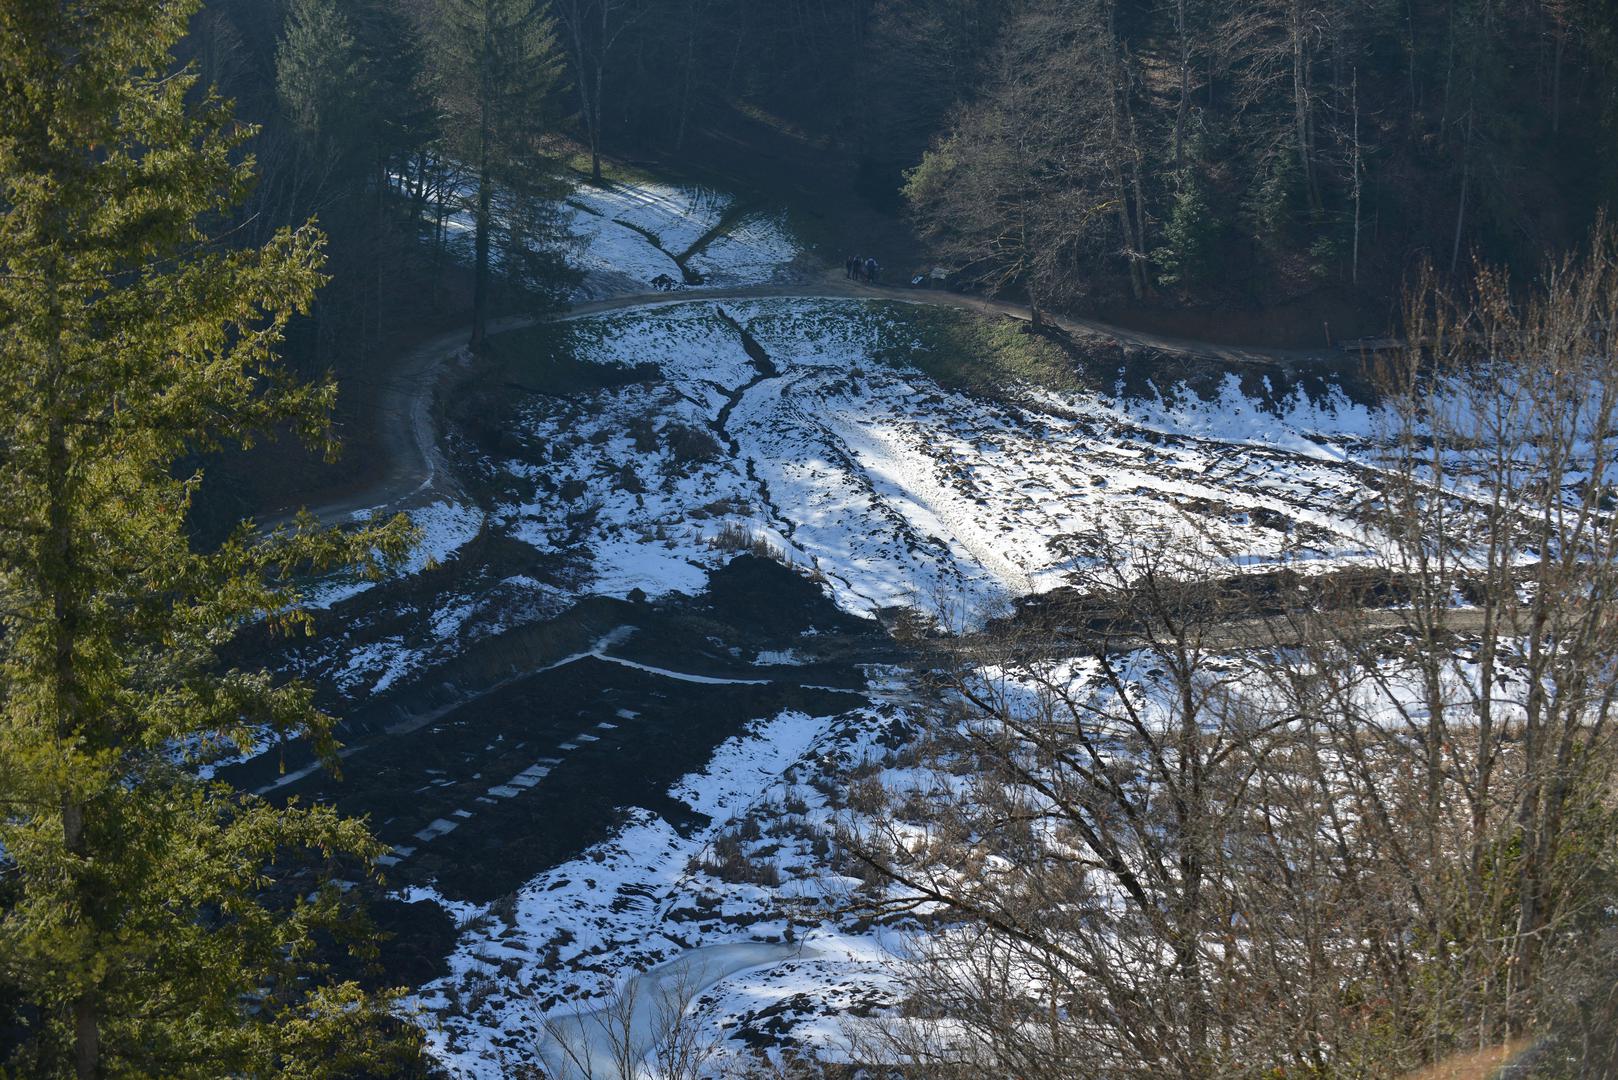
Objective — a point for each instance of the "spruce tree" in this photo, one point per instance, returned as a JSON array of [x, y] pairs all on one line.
[[499, 70], [321, 78], [151, 924]]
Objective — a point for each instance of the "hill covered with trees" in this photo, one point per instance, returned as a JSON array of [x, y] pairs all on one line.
[[1085, 152], [712, 663]]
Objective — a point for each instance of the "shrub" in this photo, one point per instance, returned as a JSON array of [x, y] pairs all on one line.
[[691, 445], [643, 433]]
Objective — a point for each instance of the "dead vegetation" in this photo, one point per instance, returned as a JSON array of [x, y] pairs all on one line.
[[1312, 854]]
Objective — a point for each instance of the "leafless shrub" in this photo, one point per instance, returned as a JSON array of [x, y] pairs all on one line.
[[729, 860], [690, 445], [734, 536], [867, 795], [643, 433]]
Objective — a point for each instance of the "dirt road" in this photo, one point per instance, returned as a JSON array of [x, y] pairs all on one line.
[[407, 436]]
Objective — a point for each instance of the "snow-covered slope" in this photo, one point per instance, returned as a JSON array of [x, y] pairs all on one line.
[[774, 424], [628, 235], [636, 237], [894, 489], [793, 428]]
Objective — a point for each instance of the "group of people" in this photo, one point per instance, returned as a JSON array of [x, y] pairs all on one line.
[[862, 269]]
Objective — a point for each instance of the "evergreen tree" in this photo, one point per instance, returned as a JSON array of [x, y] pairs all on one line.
[[1190, 235], [348, 76], [320, 75], [153, 924], [354, 109], [500, 69]]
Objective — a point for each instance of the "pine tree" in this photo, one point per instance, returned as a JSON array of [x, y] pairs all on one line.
[[1190, 235], [500, 69], [320, 76], [348, 77], [153, 924], [349, 87]]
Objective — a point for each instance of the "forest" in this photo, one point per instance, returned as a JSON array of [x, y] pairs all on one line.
[[686, 539], [1100, 153]]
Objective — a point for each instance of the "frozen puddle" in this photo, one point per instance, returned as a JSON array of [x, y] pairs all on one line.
[[591, 1044]]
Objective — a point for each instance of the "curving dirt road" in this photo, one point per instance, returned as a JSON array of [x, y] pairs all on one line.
[[415, 472]]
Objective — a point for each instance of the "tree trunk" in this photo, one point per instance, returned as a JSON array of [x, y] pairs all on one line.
[[1354, 264], [687, 69], [1143, 284], [1301, 106], [1460, 209], [1556, 77], [86, 1039], [1126, 184], [64, 679], [595, 124], [589, 108], [480, 274], [1183, 105]]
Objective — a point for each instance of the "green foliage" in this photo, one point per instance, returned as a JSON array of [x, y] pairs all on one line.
[[158, 925], [349, 81], [1190, 236], [1325, 253], [926, 184], [319, 73], [1277, 204]]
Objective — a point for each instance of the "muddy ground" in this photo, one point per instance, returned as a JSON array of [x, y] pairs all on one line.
[[530, 753]]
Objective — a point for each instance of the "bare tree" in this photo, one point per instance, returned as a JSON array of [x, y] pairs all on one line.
[[1368, 826], [1016, 194], [1502, 493], [593, 29], [1089, 863]]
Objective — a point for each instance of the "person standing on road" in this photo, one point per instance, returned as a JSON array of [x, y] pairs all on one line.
[[848, 266], [871, 269]]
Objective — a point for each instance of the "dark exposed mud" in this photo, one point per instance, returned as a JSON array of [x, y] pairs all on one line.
[[530, 746]]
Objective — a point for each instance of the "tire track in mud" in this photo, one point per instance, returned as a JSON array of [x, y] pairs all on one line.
[[933, 497]]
